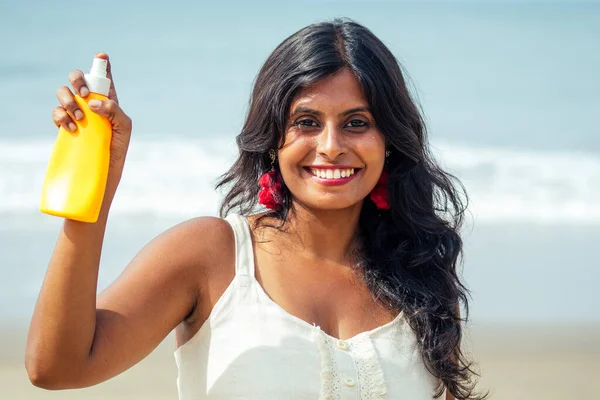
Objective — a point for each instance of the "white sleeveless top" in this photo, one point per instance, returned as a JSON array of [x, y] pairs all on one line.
[[250, 348]]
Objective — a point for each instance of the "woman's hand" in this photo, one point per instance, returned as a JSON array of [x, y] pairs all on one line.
[[69, 111]]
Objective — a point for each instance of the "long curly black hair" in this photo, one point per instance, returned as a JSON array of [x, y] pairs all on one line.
[[410, 252]]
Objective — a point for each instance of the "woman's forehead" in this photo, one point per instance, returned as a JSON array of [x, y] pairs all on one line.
[[341, 90]]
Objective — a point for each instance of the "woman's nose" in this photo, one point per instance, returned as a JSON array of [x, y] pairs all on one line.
[[331, 143]]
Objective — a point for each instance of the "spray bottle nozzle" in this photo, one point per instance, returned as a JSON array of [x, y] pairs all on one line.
[[99, 67], [96, 80]]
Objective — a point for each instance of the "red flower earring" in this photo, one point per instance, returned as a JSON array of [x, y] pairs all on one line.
[[270, 193], [380, 195]]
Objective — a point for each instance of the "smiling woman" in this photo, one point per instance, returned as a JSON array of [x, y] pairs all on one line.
[[353, 156], [331, 130], [345, 287]]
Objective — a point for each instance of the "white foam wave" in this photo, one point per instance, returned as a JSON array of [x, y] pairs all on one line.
[[176, 177], [525, 186], [162, 177]]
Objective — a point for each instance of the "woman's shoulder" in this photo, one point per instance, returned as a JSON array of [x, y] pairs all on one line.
[[197, 245], [200, 226], [203, 235]]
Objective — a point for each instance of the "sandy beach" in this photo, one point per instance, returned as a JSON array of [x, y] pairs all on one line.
[[521, 362]]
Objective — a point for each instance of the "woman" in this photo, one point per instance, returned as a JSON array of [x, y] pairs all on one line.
[[345, 287]]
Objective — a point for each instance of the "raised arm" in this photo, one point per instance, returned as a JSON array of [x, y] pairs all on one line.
[[79, 339]]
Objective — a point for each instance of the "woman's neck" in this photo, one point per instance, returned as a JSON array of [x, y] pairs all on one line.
[[323, 234]]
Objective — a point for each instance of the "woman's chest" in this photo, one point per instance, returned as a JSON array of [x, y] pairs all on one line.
[[258, 353], [334, 297]]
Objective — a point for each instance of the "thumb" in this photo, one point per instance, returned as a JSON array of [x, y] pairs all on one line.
[[111, 110]]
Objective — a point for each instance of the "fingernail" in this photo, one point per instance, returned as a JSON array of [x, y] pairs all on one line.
[[78, 114], [84, 91], [72, 127], [94, 103]]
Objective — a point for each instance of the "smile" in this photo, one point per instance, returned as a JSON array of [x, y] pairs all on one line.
[[332, 176], [332, 173]]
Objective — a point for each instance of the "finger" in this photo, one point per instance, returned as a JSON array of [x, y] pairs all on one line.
[[112, 93], [78, 83], [62, 118], [112, 110], [67, 100]]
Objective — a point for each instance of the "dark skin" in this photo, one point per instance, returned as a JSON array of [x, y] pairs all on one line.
[[77, 339]]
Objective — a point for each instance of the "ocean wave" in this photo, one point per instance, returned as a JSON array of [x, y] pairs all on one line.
[[176, 177], [526, 186]]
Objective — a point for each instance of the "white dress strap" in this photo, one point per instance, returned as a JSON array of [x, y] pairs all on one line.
[[244, 255]]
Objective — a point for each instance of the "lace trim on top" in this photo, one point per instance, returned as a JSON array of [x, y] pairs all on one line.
[[370, 375], [371, 381], [330, 380]]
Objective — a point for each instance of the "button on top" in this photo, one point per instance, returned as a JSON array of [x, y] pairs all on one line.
[[342, 345], [380, 391], [349, 382]]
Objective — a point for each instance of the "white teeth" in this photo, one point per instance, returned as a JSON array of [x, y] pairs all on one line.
[[332, 173]]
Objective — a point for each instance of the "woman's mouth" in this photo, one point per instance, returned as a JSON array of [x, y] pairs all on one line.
[[332, 176]]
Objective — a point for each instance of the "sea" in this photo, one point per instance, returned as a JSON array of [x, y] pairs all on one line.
[[510, 91]]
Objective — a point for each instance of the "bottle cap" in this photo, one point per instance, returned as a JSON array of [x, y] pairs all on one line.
[[96, 80]]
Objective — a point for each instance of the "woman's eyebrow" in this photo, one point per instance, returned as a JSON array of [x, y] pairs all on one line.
[[354, 110], [300, 110], [306, 110]]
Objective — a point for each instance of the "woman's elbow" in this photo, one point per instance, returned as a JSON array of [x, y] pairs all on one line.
[[40, 376], [48, 375]]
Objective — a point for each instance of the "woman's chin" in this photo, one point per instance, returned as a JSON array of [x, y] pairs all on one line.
[[332, 204]]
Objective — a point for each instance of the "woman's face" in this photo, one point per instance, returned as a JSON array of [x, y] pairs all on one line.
[[333, 153]]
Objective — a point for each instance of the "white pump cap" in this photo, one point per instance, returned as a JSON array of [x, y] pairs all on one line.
[[96, 80]]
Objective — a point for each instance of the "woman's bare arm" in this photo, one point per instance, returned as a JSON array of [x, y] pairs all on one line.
[[77, 339]]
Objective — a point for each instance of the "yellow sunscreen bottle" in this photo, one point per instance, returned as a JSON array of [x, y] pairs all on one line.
[[78, 168]]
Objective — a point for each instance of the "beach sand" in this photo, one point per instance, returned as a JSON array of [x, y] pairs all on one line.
[[520, 362]]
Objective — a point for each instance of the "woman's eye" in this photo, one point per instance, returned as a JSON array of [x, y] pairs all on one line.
[[305, 124], [357, 123]]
